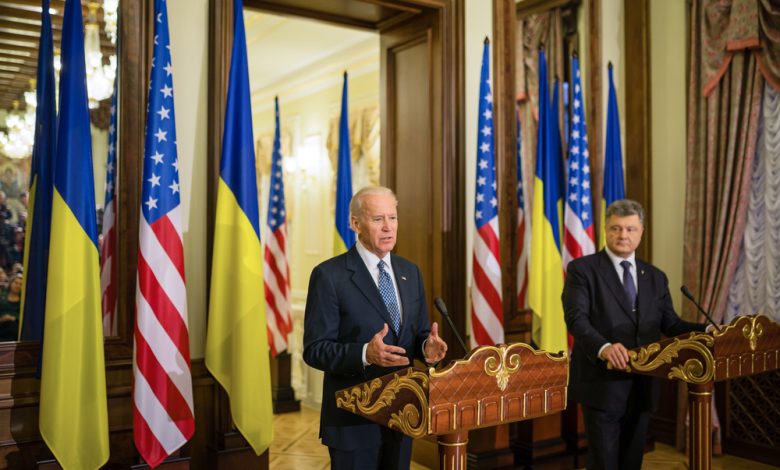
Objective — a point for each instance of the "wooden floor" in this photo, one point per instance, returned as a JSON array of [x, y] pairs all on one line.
[[296, 446]]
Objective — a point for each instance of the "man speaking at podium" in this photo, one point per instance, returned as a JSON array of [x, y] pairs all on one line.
[[366, 316], [613, 302]]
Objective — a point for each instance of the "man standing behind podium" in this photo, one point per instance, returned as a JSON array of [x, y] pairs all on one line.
[[613, 302], [366, 316]]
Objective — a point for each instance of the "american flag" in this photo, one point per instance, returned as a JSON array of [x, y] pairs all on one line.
[[523, 229], [487, 318], [276, 272], [578, 238], [162, 390], [108, 247]]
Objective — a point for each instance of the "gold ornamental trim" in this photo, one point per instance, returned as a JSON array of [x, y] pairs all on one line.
[[502, 366], [695, 370], [752, 332], [408, 420], [502, 362]]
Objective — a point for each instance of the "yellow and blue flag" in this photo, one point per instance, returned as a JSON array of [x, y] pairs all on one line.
[[344, 237], [38, 224], [546, 273], [236, 339], [614, 182], [73, 414]]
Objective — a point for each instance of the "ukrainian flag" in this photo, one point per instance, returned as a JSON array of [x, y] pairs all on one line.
[[73, 417], [546, 273], [344, 238], [237, 339], [38, 225], [614, 183]]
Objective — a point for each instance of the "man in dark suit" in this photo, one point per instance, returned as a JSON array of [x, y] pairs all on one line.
[[366, 316], [613, 302]]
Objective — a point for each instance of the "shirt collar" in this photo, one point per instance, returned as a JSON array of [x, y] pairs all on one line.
[[616, 260], [370, 259]]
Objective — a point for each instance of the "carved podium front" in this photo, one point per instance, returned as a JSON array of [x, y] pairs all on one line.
[[749, 345], [491, 386]]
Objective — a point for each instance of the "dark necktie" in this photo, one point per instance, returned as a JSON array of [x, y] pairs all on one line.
[[628, 283], [388, 295]]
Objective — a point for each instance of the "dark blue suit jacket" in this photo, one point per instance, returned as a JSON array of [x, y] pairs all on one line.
[[344, 310], [597, 311]]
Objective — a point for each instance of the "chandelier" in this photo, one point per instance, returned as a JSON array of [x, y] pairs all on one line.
[[110, 17], [17, 141], [100, 77]]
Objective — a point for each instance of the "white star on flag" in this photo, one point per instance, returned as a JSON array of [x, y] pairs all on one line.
[[578, 233]]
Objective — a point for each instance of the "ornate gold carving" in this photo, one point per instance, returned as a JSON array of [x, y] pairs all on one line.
[[695, 370], [408, 420], [499, 367], [476, 353], [752, 332]]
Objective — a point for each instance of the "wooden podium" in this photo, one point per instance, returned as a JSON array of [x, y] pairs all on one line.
[[492, 385], [749, 345]]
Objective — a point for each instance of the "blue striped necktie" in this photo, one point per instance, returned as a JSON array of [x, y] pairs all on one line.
[[388, 295]]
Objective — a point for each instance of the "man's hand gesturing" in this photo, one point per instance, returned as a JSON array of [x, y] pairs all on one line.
[[435, 347], [385, 355]]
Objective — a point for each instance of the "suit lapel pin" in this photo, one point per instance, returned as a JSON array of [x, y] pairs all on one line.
[[643, 272], [403, 278]]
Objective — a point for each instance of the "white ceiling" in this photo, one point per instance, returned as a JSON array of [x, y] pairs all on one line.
[[293, 56]]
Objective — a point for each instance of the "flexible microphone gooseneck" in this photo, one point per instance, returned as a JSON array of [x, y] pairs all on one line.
[[688, 294], [439, 304]]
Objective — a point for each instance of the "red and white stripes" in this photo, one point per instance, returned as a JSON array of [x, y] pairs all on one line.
[[577, 241], [163, 415], [487, 317], [276, 276]]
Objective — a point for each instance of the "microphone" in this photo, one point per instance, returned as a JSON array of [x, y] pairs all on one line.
[[688, 294], [443, 310]]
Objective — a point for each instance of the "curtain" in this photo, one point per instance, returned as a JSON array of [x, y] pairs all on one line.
[[723, 109], [534, 31], [734, 48], [756, 286]]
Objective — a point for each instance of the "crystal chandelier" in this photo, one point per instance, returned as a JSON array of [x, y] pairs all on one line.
[[100, 77], [110, 18], [17, 141]]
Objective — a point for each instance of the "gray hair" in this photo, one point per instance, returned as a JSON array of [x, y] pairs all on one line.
[[625, 208], [356, 204]]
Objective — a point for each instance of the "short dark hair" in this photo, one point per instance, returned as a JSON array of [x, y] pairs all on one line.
[[625, 208]]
